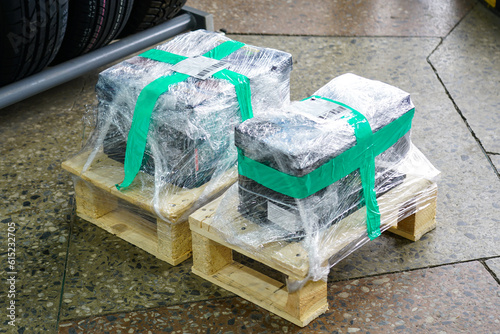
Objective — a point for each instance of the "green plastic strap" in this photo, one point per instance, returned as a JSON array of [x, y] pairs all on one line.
[[138, 134], [223, 50], [364, 134], [242, 87], [241, 83], [162, 56], [335, 169]]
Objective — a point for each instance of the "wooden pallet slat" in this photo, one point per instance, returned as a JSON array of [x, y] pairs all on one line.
[[213, 254], [214, 263], [130, 214]]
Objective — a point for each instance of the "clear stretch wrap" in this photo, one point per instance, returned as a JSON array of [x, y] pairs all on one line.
[[308, 172], [169, 115]]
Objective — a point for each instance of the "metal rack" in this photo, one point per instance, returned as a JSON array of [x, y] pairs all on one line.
[[188, 19]]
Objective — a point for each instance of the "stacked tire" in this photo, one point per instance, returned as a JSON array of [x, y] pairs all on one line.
[[31, 33], [93, 24], [36, 33], [148, 13]]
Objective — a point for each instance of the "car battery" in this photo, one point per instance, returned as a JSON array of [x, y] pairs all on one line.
[[307, 134], [191, 134]]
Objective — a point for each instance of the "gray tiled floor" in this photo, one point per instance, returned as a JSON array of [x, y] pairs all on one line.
[[70, 269], [39, 134], [466, 61], [338, 17], [494, 265], [117, 276], [496, 161], [460, 298]]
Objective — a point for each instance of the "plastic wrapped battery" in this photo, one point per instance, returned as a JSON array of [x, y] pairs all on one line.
[[327, 174], [188, 135]]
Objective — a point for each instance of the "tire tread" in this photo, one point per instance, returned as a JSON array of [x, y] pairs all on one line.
[[31, 33], [93, 24], [148, 13]]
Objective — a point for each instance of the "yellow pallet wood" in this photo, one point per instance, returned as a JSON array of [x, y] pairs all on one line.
[[213, 255], [129, 214]]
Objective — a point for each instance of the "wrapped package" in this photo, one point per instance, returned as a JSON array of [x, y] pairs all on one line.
[[171, 111], [329, 173], [162, 140]]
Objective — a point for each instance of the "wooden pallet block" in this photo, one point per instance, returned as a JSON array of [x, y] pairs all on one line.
[[130, 213], [420, 216], [213, 255]]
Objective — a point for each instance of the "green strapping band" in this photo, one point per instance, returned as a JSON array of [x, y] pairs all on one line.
[[138, 134], [361, 156], [242, 87]]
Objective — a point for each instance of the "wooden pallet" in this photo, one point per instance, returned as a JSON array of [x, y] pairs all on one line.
[[213, 255], [130, 214]]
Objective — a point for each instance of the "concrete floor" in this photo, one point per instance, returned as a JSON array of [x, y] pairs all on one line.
[[74, 277]]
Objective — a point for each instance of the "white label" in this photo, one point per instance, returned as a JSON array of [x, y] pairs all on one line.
[[336, 109], [199, 67], [285, 219], [323, 109]]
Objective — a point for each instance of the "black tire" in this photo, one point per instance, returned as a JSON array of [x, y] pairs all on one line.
[[31, 33], [93, 24], [148, 13]]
